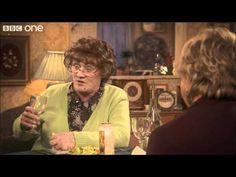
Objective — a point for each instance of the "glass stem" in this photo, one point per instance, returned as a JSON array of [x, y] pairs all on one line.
[[142, 143]]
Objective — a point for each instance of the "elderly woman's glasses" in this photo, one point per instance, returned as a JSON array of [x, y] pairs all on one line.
[[83, 68]]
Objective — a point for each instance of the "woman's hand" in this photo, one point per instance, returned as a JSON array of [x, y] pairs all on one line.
[[63, 141], [29, 119]]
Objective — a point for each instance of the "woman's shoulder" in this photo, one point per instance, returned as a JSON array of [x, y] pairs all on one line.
[[112, 90], [58, 87]]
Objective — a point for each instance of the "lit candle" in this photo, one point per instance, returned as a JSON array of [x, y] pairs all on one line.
[[106, 138]]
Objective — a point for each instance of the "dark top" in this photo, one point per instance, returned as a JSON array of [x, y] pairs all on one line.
[[78, 113], [207, 127]]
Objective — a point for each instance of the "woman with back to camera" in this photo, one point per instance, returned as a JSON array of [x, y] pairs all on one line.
[[207, 68]]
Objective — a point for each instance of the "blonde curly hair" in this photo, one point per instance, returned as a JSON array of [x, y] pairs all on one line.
[[208, 61]]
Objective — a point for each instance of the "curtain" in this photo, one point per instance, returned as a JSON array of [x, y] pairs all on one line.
[[117, 35]]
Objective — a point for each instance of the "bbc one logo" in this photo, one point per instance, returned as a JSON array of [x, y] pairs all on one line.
[[22, 28]]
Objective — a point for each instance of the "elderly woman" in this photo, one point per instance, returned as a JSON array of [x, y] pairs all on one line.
[[75, 110], [207, 68]]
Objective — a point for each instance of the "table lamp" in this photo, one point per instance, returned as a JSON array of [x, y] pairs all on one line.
[[51, 71]]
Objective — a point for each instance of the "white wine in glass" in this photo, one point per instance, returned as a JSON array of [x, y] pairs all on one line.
[[39, 104], [141, 127]]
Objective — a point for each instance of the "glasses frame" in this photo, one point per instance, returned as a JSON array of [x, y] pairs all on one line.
[[83, 68]]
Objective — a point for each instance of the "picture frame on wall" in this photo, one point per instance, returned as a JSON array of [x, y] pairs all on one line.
[[154, 27], [14, 60]]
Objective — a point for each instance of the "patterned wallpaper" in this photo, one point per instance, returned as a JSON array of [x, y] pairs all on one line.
[[78, 30], [195, 27], [55, 36]]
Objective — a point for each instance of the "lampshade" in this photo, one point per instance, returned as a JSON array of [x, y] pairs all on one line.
[[52, 67]]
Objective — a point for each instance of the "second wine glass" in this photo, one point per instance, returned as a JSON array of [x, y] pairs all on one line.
[[141, 127]]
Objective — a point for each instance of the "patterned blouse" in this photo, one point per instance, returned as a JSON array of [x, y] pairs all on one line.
[[79, 112]]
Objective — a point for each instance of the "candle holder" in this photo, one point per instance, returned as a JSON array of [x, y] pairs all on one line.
[[106, 139]]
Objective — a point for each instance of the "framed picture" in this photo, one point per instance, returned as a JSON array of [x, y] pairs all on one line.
[[154, 27], [14, 60]]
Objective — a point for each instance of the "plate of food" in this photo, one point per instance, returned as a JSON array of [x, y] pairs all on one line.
[[86, 150]]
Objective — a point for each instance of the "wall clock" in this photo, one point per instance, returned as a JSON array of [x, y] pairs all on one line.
[[136, 91], [165, 100]]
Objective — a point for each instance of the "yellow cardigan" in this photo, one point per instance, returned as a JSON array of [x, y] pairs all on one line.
[[112, 107]]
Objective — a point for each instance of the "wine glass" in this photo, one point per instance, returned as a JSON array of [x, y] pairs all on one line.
[[141, 127], [38, 103]]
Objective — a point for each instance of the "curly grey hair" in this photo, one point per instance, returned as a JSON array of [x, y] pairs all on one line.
[[95, 52], [208, 61]]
